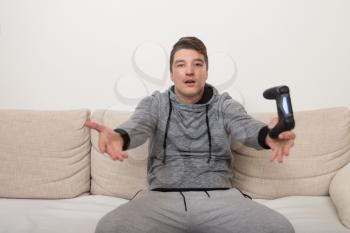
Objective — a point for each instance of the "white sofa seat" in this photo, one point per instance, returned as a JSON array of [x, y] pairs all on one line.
[[308, 214]]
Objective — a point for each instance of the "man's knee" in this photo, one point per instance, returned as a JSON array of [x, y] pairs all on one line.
[[109, 224], [104, 228], [285, 228], [280, 225], [270, 222], [100, 228]]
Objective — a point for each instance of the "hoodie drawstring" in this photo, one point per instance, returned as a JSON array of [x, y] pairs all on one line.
[[167, 127], [208, 129]]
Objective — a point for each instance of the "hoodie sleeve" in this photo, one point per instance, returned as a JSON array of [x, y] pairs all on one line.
[[242, 126], [141, 125]]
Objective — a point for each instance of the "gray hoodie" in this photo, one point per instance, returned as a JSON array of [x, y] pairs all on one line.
[[190, 143]]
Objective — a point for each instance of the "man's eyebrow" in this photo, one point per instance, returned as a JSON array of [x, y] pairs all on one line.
[[197, 59], [181, 60]]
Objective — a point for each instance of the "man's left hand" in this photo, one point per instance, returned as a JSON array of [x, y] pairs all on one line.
[[280, 146]]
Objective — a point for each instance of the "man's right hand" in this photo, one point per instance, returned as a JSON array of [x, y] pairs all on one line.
[[110, 142]]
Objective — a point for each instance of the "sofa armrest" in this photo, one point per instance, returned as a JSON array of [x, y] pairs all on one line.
[[339, 191]]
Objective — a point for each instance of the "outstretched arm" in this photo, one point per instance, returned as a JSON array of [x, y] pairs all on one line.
[[110, 142]]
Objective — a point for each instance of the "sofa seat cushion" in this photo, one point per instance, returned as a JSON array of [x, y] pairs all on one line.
[[81, 214], [44, 154], [308, 214]]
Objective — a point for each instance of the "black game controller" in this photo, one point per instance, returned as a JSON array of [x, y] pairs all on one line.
[[284, 108]]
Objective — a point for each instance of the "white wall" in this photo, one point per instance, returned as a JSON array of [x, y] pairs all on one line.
[[65, 54]]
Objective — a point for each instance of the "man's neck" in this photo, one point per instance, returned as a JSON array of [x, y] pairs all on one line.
[[206, 96], [189, 100]]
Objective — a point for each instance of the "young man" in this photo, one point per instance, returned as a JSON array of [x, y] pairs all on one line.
[[189, 170]]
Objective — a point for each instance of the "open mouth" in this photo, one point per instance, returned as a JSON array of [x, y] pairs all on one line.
[[190, 82]]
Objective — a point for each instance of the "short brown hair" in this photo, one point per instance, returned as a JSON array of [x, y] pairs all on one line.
[[189, 42]]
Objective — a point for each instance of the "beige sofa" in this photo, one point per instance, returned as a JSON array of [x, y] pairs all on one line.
[[53, 178]]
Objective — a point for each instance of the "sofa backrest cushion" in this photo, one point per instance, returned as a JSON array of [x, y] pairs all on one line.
[[322, 147], [115, 178], [44, 154]]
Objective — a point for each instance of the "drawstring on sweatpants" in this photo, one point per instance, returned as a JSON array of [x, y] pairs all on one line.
[[244, 194], [184, 198], [136, 194]]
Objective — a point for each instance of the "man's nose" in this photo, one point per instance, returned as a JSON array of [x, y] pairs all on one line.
[[189, 70]]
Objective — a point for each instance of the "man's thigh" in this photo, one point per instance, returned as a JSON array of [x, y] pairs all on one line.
[[229, 212], [148, 212], [221, 212]]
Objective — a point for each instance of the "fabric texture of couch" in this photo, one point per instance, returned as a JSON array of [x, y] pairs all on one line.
[[53, 177]]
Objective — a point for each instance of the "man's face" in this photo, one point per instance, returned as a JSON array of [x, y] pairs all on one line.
[[189, 73]]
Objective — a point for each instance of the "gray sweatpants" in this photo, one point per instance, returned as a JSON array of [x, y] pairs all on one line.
[[219, 211]]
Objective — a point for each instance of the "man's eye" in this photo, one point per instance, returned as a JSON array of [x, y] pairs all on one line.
[[179, 65], [199, 64]]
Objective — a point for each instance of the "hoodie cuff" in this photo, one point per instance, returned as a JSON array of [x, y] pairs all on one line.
[[125, 136], [262, 137]]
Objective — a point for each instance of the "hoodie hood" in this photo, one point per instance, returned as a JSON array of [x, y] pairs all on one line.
[[208, 97]]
